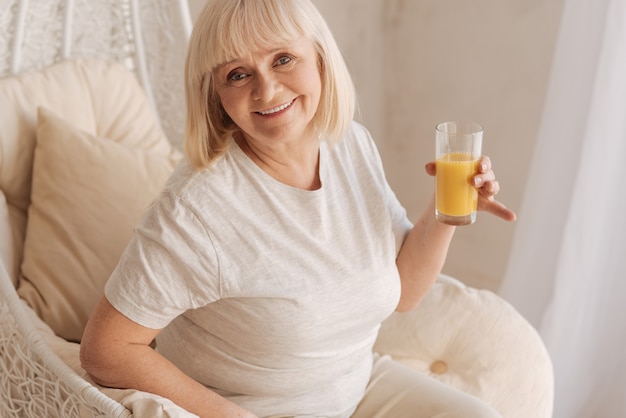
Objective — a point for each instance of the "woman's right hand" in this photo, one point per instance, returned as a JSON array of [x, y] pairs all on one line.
[[487, 185]]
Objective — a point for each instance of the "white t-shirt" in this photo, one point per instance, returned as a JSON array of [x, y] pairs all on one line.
[[270, 295]]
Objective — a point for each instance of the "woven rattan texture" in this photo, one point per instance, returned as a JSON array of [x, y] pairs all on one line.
[[148, 36], [28, 387]]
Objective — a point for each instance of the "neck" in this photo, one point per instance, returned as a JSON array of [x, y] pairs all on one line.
[[294, 166]]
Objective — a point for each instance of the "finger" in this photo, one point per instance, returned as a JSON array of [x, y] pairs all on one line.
[[431, 168], [496, 208], [490, 188], [485, 164], [481, 180]]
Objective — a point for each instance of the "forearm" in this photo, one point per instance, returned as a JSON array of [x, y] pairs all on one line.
[[422, 257], [140, 367], [115, 352]]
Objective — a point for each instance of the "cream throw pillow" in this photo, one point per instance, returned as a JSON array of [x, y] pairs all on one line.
[[477, 342], [87, 194]]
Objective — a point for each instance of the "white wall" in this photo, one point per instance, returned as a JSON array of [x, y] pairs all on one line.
[[484, 60], [359, 29], [418, 62]]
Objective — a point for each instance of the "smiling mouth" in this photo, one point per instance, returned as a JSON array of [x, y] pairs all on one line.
[[276, 109]]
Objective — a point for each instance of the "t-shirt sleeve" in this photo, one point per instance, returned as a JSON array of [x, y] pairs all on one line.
[[168, 267], [399, 220]]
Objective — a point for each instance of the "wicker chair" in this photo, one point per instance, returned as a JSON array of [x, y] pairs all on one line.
[[146, 36], [468, 338]]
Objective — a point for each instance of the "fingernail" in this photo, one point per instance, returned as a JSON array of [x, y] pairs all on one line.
[[478, 181]]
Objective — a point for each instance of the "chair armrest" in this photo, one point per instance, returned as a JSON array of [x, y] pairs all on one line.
[[30, 348], [141, 404]]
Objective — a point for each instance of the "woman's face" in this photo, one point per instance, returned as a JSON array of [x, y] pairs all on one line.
[[272, 95]]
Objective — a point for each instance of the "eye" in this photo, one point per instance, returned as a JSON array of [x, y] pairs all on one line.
[[235, 76], [283, 60]]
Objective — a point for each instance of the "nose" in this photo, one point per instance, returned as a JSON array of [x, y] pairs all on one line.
[[265, 87]]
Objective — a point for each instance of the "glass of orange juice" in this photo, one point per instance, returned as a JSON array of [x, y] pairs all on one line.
[[458, 151]]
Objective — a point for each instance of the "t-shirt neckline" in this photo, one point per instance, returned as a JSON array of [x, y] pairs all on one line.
[[242, 157]]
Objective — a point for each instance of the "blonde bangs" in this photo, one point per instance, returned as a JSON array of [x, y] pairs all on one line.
[[252, 25]]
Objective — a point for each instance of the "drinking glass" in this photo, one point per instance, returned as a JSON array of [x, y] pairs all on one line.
[[458, 152]]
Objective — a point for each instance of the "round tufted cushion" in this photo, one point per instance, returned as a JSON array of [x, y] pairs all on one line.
[[477, 342]]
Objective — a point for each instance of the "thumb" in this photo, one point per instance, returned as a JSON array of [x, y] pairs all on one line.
[[431, 168]]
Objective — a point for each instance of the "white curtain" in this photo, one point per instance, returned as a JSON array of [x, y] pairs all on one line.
[[567, 269]]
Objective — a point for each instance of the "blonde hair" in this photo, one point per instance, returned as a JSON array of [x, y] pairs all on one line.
[[227, 29]]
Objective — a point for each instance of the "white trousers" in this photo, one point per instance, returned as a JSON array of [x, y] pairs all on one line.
[[397, 391]]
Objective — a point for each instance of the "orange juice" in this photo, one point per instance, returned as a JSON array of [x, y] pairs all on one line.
[[456, 196]]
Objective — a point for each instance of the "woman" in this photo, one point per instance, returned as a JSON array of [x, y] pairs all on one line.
[[276, 250]]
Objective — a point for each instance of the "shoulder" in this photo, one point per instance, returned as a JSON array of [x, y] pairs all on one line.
[[189, 184], [358, 132], [213, 194], [359, 138], [359, 144]]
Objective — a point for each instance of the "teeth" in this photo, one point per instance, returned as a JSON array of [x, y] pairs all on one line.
[[276, 109]]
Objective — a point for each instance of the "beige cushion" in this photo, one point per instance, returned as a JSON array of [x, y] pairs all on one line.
[[475, 341], [102, 98], [8, 252], [87, 193]]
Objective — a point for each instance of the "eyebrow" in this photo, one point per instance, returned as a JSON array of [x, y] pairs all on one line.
[[224, 64], [270, 52]]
